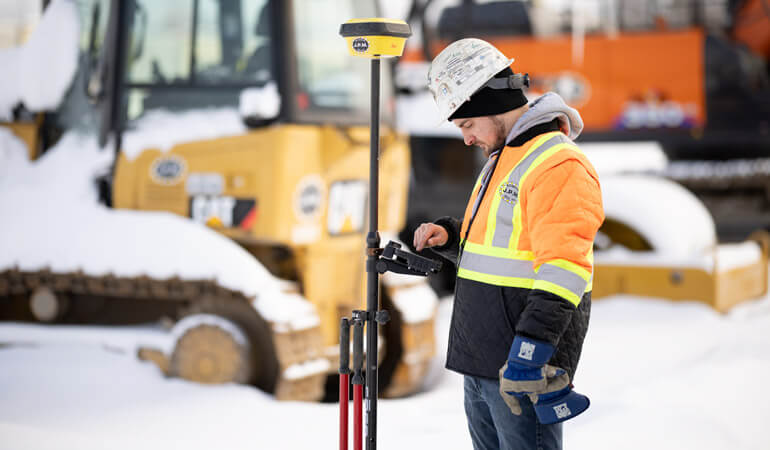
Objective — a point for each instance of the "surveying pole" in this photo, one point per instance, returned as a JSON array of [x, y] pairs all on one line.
[[374, 38]]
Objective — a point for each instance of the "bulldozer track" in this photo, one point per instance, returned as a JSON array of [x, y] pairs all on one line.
[[278, 347], [20, 282]]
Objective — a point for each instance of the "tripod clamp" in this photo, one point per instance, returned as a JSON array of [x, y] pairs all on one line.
[[393, 259]]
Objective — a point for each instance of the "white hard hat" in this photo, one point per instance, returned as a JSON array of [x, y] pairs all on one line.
[[460, 70]]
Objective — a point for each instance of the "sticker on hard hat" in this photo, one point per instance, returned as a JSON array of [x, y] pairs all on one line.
[[509, 192], [360, 45]]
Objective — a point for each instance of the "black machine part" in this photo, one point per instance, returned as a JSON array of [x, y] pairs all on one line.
[[393, 259], [515, 81]]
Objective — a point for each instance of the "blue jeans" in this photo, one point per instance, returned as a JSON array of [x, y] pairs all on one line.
[[494, 426]]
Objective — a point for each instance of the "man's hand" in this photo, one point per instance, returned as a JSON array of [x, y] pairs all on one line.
[[429, 235], [536, 381], [558, 402], [526, 371], [549, 387]]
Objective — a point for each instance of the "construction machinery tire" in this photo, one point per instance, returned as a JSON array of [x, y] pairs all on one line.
[[254, 361], [210, 349]]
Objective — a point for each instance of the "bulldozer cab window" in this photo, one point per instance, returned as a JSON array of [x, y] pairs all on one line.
[[330, 81], [167, 39], [197, 53], [233, 42]]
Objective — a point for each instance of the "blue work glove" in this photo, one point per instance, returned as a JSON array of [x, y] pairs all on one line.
[[549, 388], [558, 402], [525, 372]]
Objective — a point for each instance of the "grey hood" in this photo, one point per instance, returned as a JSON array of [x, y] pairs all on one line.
[[544, 109]]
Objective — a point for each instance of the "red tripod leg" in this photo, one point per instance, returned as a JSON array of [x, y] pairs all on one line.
[[358, 400], [358, 378], [344, 380], [344, 411]]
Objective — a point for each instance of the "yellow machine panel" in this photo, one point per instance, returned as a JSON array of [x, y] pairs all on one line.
[[27, 131], [301, 188]]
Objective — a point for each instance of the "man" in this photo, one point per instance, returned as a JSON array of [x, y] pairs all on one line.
[[523, 251]]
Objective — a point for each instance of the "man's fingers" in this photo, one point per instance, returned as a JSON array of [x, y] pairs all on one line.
[[511, 401], [553, 371], [427, 235], [418, 237]]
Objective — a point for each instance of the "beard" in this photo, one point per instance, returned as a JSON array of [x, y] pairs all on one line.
[[499, 132]]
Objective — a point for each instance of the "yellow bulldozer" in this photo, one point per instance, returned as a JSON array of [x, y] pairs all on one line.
[[248, 118]]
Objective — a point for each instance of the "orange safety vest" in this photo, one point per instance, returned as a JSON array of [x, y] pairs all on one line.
[[498, 249]]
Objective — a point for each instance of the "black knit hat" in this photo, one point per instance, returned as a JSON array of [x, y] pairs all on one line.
[[489, 102]]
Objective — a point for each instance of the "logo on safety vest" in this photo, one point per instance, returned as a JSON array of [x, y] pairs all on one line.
[[509, 192]]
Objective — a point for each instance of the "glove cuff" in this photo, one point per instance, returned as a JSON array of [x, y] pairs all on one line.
[[530, 352], [560, 408]]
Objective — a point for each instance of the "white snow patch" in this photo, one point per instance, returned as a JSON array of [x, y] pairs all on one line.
[[667, 215], [40, 72], [416, 303], [262, 103], [10, 82], [721, 258], [121, 339], [162, 130], [13, 152], [306, 369], [623, 157], [49, 58], [196, 320], [621, 256], [288, 311], [732, 256]]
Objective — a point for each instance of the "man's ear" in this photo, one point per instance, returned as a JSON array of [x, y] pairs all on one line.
[[563, 125]]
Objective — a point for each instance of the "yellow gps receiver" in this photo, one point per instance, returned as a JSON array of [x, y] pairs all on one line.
[[373, 38]]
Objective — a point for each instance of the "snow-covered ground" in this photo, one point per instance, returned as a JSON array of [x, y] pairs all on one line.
[[659, 374]]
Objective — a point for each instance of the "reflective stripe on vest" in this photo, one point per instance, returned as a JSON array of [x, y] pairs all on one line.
[[498, 260]]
